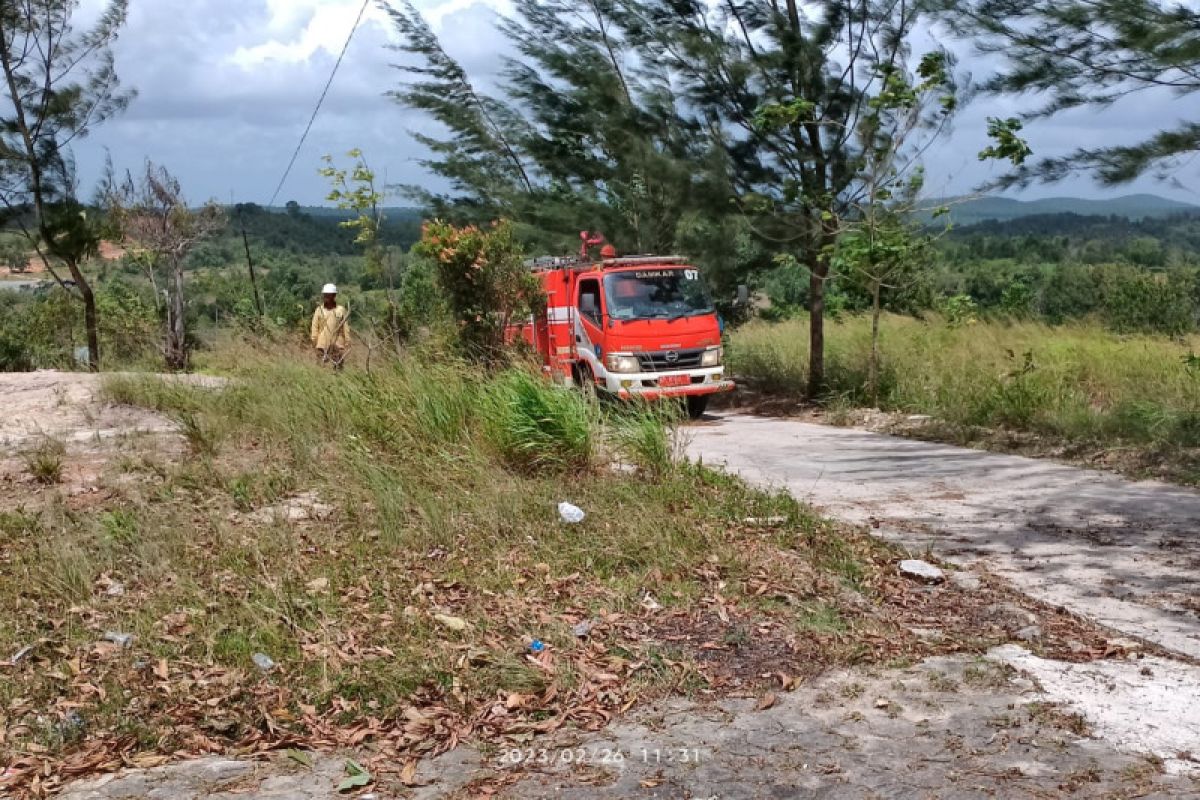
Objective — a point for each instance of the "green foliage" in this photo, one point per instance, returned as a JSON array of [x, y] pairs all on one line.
[[959, 310], [482, 275], [1007, 144], [1080, 382], [14, 253], [354, 190], [538, 426], [43, 329], [421, 306], [1136, 300]]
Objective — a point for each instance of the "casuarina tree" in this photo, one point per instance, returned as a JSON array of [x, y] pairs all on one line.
[[1091, 53], [786, 88], [59, 83]]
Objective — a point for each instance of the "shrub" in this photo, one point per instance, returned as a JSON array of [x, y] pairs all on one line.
[[483, 277]]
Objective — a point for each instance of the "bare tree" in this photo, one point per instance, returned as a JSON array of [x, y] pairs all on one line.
[[159, 230], [59, 84]]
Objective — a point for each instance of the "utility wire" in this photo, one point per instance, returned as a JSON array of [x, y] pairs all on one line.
[[320, 101]]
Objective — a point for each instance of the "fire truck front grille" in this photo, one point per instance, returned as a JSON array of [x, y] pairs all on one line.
[[670, 360]]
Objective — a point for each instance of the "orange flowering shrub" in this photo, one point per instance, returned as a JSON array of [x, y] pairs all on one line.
[[482, 273]]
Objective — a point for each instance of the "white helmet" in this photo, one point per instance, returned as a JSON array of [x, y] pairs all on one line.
[[329, 289]]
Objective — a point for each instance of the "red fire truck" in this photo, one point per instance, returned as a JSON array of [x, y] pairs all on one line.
[[640, 326]]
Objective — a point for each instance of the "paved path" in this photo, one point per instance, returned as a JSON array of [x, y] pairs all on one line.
[[1124, 553]]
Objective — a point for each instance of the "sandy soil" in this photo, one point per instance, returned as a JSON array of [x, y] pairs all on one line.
[[68, 407]]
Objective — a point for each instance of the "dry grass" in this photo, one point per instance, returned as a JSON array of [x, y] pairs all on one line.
[[390, 543], [1077, 384]]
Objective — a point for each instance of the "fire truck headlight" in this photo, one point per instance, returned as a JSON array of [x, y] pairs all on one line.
[[712, 357], [622, 362]]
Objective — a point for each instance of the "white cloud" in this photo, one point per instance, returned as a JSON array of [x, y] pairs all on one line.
[[226, 87]]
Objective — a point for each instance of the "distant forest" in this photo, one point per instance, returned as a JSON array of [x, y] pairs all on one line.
[[1056, 238]]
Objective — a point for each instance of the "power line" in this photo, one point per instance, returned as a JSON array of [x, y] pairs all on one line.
[[320, 101]]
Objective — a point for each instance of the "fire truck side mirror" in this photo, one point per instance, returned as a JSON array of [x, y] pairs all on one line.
[[743, 295]]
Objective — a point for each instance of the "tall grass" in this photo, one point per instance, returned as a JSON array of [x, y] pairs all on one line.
[[1079, 382], [438, 487]]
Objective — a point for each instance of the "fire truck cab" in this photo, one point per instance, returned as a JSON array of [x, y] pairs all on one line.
[[633, 327]]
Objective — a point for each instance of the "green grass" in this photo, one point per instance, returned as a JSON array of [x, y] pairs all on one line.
[[1078, 382], [441, 486]]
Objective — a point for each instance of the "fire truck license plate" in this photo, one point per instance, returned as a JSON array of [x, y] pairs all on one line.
[[674, 380]]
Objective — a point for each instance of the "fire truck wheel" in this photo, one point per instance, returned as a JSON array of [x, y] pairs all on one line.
[[696, 404]]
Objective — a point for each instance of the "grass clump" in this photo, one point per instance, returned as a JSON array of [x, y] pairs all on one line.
[[536, 425], [44, 462]]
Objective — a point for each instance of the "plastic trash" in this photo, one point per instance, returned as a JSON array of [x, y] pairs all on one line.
[[537, 646], [115, 589], [582, 629], [570, 514], [119, 639], [263, 662], [20, 655], [72, 725]]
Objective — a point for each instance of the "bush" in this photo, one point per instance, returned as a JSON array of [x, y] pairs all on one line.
[[483, 278]]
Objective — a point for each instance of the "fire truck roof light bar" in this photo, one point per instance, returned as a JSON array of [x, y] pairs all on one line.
[[556, 262]]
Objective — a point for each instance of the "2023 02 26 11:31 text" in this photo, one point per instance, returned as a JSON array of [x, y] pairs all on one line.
[[602, 755]]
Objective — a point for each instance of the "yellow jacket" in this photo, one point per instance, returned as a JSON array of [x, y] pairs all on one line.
[[330, 328]]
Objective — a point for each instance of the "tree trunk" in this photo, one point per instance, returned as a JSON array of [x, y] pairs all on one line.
[[258, 306], [91, 319], [818, 271], [177, 353], [873, 364]]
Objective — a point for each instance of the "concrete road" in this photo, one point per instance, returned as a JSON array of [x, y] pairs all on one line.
[[1125, 553]]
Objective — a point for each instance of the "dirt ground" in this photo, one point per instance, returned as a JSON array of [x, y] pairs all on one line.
[[951, 727], [1077, 713], [55, 408]]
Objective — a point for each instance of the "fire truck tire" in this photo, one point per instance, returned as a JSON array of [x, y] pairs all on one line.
[[696, 405]]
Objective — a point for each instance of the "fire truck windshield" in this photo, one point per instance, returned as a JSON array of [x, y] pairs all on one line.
[[656, 294]]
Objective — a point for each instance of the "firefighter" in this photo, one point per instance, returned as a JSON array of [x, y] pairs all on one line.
[[331, 329]]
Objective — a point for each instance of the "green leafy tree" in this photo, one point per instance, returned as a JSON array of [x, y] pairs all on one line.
[[1080, 53], [59, 83], [884, 253]]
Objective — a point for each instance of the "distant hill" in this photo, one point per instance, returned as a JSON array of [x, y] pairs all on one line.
[[1133, 206], [393, 213]]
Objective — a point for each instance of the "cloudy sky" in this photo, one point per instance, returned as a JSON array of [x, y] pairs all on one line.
[[226, 87]]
